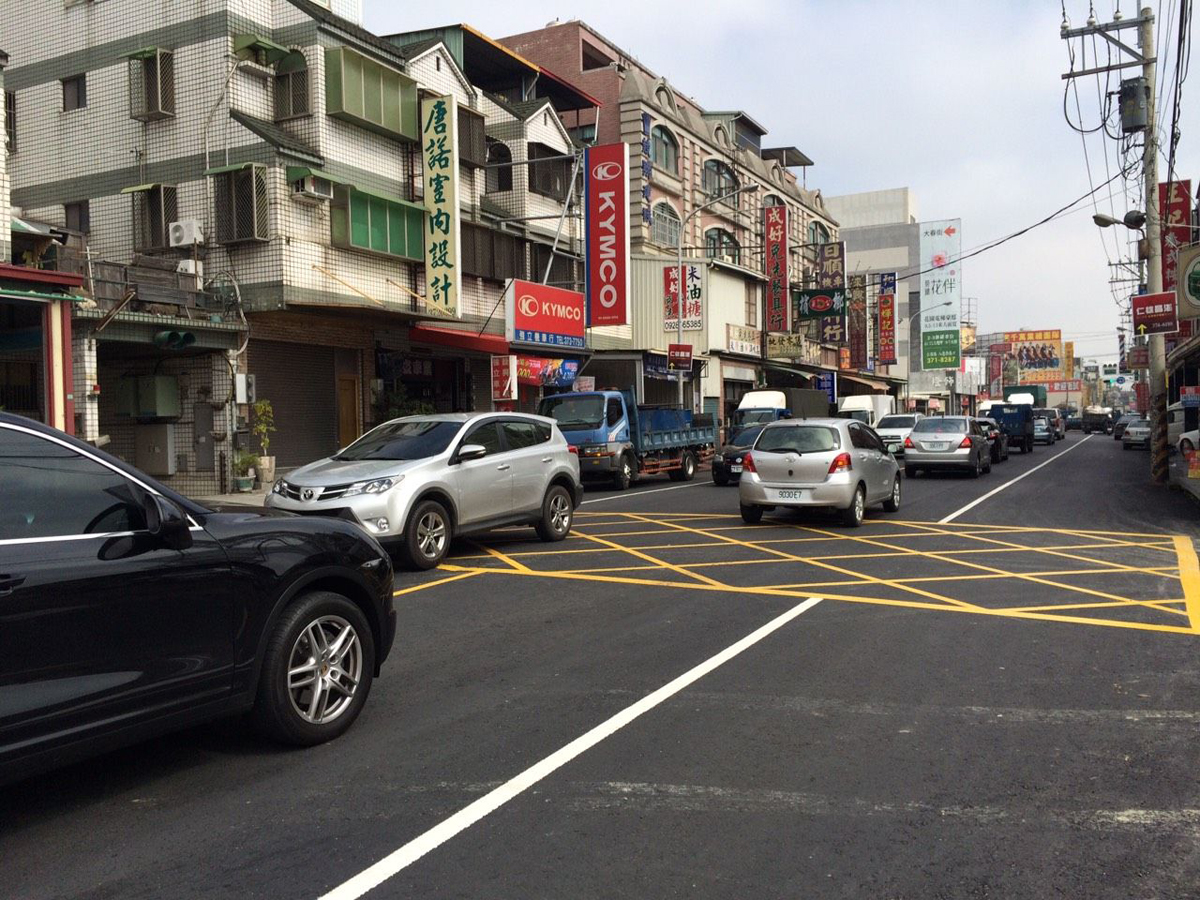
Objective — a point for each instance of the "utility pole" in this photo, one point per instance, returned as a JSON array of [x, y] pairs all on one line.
[[1143, 57]]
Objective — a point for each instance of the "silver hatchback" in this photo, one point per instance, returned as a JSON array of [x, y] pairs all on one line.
[[415, 483], [832, 463]]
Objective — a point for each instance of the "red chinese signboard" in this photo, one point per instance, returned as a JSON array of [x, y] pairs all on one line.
[[843, 357], [775, 242], [1154, 313], [1142, 390], [606, 213], [679, 357], [1173, 206], [887, 330], [693, 298], [504, 377], [544, 315]]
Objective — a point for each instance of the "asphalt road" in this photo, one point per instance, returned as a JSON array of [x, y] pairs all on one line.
[[999, 701]]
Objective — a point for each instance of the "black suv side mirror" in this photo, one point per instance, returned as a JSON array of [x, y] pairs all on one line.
[[166, 522]]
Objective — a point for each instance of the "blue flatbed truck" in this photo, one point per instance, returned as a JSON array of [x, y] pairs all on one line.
[[619, 440], [1015, 420]]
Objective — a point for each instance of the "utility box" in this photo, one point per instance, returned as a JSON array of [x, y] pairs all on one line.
[[148, 397], [1135, 105], [154, 453]]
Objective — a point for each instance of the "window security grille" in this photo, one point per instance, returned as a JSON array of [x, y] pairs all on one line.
[[291, 87], [10, 121], [154, 210], [152, 85], [240, 200], [472, 141]]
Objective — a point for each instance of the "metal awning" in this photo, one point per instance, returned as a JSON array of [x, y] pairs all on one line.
[[459, 339], [22, 227], [140, 188], [866, 382], [233, 167]]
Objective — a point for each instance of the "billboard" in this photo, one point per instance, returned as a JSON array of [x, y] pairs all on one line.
[[1033, 357], [941, 294], [775, 243], [606, 226], [543, 315], [443, 248], [1174, 205], [693, 303], [887, 330]]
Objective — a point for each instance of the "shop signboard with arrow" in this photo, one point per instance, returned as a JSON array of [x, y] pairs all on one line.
[[1155, 313]]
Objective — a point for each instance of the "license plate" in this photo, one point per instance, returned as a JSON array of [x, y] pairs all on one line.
[[735, 468], [937, 446], [789, 495]]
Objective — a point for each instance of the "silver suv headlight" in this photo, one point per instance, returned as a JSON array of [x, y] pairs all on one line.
[[378, 486]]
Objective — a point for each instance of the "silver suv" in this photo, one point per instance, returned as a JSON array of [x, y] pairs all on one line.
[[415, 483]]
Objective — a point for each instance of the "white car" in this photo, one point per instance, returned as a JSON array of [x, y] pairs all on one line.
[[417, 482], [895, 428]]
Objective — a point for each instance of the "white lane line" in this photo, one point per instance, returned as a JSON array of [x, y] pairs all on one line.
[[625, 496], [974, 503], [405, 856]]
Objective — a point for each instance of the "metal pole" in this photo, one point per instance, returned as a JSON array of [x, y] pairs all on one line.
[[1158, 352], [563, 217]]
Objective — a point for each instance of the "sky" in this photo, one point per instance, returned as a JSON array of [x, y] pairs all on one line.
[[961, 102]]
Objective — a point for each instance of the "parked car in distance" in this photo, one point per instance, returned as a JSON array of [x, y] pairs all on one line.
[[1074, 422], [1188, 442], [1136, 434], [1043, 431], [997, 439], [727, 463], [832, 463], [895, 428], [417, 482], [128, 610], [1054, 419], [1119, 426], [1176, 424], [947, 442]]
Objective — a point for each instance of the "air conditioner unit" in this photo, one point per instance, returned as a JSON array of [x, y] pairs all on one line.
[[192, 267], [185, 233], [312, 188]]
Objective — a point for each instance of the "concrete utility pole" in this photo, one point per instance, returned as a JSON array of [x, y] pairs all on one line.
[[1146, 59]]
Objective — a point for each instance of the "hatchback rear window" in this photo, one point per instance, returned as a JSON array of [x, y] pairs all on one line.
[[897, 422], [942, 424], [798, 439]]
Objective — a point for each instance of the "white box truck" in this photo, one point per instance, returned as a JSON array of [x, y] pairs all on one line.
[[868, 408]]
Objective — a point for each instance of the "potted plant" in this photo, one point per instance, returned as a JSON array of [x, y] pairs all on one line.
[[263, 426], [244, 465]]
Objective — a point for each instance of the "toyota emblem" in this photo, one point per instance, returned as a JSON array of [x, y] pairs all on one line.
[[528, 305], [308, 494], [606, 171]]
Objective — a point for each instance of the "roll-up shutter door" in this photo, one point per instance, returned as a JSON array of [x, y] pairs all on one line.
[[299, 381], [481, 384]]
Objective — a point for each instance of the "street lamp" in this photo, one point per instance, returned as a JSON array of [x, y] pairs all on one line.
[[747, 189], [1135, 220]]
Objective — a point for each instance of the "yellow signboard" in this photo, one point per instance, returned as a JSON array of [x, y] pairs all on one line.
[[439, 154]]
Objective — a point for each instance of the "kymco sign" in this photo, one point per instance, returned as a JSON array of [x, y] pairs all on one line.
[[606, 208], [543, 315]]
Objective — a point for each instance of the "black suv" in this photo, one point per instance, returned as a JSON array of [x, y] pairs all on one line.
[[128, 610]]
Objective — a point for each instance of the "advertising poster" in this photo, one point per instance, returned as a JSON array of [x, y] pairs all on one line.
[[1174, 204], [941, 294], [693, 305], [775, 236], [606, 225], [1034, 357], [439, 153], [543, 315], [544, 372]]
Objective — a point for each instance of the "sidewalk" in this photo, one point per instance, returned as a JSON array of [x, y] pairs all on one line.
[[251, 498]]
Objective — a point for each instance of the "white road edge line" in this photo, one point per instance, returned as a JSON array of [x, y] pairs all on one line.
[[625, 496], [405, 856], [974, 503]]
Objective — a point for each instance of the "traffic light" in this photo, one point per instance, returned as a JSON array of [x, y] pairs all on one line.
[[174, 340]]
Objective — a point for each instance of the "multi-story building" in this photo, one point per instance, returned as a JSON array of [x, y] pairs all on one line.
[[692, 168], [265, 153]]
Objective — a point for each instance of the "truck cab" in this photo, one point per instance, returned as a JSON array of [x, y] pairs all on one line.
[[867, 408]]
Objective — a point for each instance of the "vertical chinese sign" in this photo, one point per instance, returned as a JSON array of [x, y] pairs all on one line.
[[887, 319], [831, 273], [857, 314], [941, 294], [439, 153], [775, 234], [1069, 360], [693, 304], [606, 214], [1173, 200]]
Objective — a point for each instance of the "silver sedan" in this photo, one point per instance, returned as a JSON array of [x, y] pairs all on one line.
[[947, 442], [838, 463]]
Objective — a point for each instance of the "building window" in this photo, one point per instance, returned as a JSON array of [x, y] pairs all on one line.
[[719, 180], [665, 225], [550, 177], [472, 142], [817, 233], [593, 57], [562, 268], [240, 202], [10, 121], [74, 92], [152, 85], [751, 304], [490, 254], [664, 149], [379, 224], [291, 87], [370, 94], [773, 200], [721, 244], [500, 170], [78, 216], [155, 207]]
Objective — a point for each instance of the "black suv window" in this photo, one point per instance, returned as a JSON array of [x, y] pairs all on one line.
[[524, 434], [52, 491], [486, 435]]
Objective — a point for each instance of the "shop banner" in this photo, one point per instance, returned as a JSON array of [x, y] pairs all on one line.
[[744, 340], [1154, 314], [1069, 359], [1142, 392], [1034, 357], [1174, 207], [796, 347], [693, 305], [543, 315], [857, 321], [844, 358], [775, 242], [443, 248], [1070, 386], [831, 273], [941, 294], [679, 357], [504, 377], [887, 329], [1138, 358], [544, 372], [821, 303], [606, 216], [1189, 395], [827, 382]]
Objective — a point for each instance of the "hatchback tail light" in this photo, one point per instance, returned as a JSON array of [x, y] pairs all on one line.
[[908, 442], [571, 448], [841, 463], [966, 442], [748, 464]]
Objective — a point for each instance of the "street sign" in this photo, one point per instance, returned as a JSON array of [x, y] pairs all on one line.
[[1154, 313], [1190, 395], [679, 357], [827, 382]]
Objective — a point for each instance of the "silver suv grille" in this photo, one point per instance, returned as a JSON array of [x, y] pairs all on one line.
[[296, 492]]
